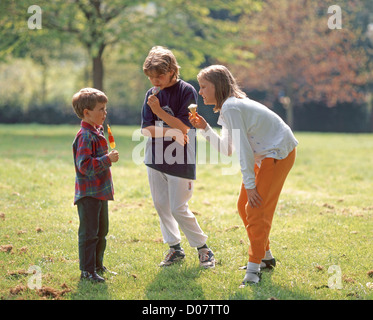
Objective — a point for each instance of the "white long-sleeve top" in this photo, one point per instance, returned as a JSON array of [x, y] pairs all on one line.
[[254, 131]]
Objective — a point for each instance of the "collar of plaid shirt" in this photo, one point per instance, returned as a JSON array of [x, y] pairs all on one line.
[[97, 130]]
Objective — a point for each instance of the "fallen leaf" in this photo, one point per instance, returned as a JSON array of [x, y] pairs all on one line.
[[17, 289], [232, 228], [348, 280], [23, 250], [320, 268], [49, 291], [329, 206], [6, 248], [321, 287], [17, 273]]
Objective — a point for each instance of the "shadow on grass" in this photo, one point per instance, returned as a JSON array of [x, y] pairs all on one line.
[[176, 282], [266, 289], [88, 290]]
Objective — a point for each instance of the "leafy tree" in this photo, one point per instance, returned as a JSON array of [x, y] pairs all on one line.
[[201, 33], [44, 46], [299, 59], [96, 25], [364, 22], [196, 30]]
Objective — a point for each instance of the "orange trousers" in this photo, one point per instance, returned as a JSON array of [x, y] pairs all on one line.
[[269, 180]]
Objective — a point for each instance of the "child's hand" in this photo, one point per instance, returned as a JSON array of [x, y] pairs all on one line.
[[253, 198], [198, 121], [114, 156], [178, 136], [153, 103]]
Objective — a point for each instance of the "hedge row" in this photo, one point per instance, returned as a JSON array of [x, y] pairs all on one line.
[[311, 117]]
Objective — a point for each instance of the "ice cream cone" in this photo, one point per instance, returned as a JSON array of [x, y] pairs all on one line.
[[193, 108]]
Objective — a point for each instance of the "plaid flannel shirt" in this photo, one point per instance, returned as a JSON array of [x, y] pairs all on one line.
[[92, 164]]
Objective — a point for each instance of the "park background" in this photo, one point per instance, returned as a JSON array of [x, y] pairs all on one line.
[[286, 54]]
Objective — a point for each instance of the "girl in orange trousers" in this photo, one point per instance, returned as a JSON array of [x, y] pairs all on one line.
[[266, 150], [270, 178]]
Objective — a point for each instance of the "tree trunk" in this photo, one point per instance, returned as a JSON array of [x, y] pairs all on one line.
[[369, 101], [44, 74], [98, 70], [290, 114], [289, 107]]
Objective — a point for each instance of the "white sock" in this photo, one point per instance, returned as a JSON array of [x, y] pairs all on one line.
[[268, 255], [251, 273], [253, 267]]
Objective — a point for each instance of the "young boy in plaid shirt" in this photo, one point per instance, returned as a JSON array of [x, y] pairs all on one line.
[[93, 183]]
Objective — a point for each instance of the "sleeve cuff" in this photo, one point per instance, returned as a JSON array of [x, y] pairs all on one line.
[[107, 161], [206, 130], [249, 184]]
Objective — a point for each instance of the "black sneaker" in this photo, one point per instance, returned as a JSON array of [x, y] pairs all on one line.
[[172, 257], [103, 270], [91, 276], [268, 264], [265, 264]]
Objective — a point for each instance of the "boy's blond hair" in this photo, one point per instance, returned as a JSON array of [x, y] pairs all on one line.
[[160, 60], [87, 98], [225, 84]]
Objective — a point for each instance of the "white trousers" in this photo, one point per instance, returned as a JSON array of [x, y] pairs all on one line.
[[170, 197]]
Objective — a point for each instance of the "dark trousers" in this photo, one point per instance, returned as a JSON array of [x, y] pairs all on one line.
[[93, 228]]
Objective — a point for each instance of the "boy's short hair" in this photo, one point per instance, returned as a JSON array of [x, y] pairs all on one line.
[[160, 60], [87, 98]]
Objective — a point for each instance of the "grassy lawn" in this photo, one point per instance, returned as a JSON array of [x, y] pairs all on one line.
[[323, 223]]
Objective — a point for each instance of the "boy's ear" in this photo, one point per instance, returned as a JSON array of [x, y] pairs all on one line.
[[85, 112]]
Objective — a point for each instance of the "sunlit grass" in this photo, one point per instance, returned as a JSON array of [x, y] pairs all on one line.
[[324, 219]]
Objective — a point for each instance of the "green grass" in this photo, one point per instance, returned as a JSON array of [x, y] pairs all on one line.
[[324, 219]]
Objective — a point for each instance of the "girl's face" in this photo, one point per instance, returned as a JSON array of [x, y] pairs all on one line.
[[207, 91], [162, 80]]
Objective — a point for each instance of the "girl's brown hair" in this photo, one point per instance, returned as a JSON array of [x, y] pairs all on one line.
[[160, 60], [225, 84], [87, 98]]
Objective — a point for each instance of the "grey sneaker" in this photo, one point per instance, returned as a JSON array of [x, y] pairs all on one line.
[[206, 258], [251, 278], [172, 257]]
